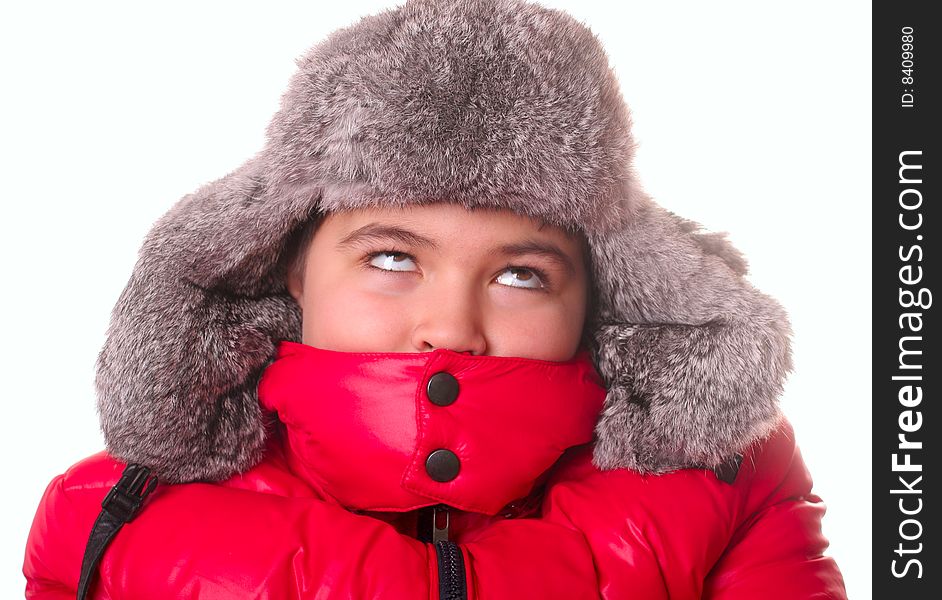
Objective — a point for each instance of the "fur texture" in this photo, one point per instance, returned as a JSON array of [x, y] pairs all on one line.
[[486, 103]]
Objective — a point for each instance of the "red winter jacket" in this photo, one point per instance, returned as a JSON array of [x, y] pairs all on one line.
[[333, 509]]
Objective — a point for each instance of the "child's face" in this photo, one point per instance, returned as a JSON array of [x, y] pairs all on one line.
[[435, 276]]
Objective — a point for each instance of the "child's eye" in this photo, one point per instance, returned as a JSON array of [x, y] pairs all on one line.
[[391, 261], [522, 277], [529, 278]]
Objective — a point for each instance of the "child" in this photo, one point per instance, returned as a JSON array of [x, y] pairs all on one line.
[[433, 341]]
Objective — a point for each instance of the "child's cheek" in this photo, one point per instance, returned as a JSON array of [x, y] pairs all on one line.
[[358, 319], [386, 285], [548, 330]]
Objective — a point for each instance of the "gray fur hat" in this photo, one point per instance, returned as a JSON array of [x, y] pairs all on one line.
[[486, 103]]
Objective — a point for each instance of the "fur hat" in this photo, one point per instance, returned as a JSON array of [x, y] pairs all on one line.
[[485, 103]]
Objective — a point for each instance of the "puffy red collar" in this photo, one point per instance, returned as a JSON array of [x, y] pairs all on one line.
[[361, 426]]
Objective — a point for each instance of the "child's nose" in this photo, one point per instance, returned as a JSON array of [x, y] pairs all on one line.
[[450, 320]]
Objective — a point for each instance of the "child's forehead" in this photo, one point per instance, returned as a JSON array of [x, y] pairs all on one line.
[[442, 215]]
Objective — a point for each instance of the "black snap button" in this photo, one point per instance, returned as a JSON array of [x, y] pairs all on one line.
[[442, 388], [442, 465]]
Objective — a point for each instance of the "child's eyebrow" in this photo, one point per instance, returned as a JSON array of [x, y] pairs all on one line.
[[548, 250], [378, 231]]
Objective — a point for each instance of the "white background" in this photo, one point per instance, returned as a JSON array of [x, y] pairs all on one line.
[[753, 118]]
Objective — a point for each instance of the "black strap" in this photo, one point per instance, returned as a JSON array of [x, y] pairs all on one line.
[[727, 471], [120, 506]]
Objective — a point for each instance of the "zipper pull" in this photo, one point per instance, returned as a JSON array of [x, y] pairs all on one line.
[[440, 523]]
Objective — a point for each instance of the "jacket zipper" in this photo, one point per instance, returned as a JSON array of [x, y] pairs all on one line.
[[451, 576], [441, 520], [452, 584]]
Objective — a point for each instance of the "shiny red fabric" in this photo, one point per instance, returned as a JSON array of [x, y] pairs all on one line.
[[329, 512], [363, 438]]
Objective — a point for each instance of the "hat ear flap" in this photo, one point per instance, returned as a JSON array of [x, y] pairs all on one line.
[[193, 329], [694, 356]]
